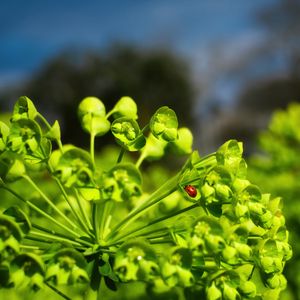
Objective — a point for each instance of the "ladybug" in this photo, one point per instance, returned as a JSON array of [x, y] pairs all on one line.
[[191, 190]]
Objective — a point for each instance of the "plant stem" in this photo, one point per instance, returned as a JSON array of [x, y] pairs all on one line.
[[26, 177], [140, 159], [77, 242], [92, 146], [121, 154], [50, 231], [105, 218], [110, 113], [96, 216], [74, 211], [163, 218], [86, 223], [29, 247], [166, 189], [40, 211], [57, 291]]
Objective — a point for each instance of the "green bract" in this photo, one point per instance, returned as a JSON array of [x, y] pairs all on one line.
[[91, 112], [183, 144], [73, 167], [4, 132], [121, 183], [90, 223], [24, 108], [163, 124], [125, 107], [128, 134]]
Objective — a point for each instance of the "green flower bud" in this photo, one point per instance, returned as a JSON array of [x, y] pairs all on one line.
[[241, 210], [78, 275], [229, 255], [248, 289], [148, 270], [125, 107], [37, 282], [271, 264], [244, 250], [213, 293], [266, 219], [185, 277], [223, 192], [215, 243], [276, 281], [256, 208], [239, 185], [230, 293], [207, 191]]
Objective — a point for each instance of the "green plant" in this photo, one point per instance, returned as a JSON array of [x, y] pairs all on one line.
[[277, 167], [206, 232]]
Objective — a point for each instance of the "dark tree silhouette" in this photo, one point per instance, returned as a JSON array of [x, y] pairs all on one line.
[[152, 78]]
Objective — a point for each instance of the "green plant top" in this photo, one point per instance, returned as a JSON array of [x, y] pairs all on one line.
[[207, 230]]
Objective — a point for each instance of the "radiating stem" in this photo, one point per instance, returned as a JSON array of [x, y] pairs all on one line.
[[95, 215], [73, 210], [40, 211], [92, 146], [163, 218], [46, 238], [169, 187], [51, 204], [76, 242], [86, 223], [105, 218]]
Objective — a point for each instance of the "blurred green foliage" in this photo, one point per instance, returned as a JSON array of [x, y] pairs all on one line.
[[277, 169]]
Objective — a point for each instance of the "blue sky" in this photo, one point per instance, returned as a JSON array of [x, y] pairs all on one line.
[[31, 32]]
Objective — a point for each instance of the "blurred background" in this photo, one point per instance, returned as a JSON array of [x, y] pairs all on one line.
[[223, 66]]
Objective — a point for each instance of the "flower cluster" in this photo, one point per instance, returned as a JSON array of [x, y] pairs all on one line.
[[218, 236]]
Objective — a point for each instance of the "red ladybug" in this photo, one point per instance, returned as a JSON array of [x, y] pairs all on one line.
[[191, 190]]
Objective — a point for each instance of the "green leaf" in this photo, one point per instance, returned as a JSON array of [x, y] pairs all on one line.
[[164, 124]]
